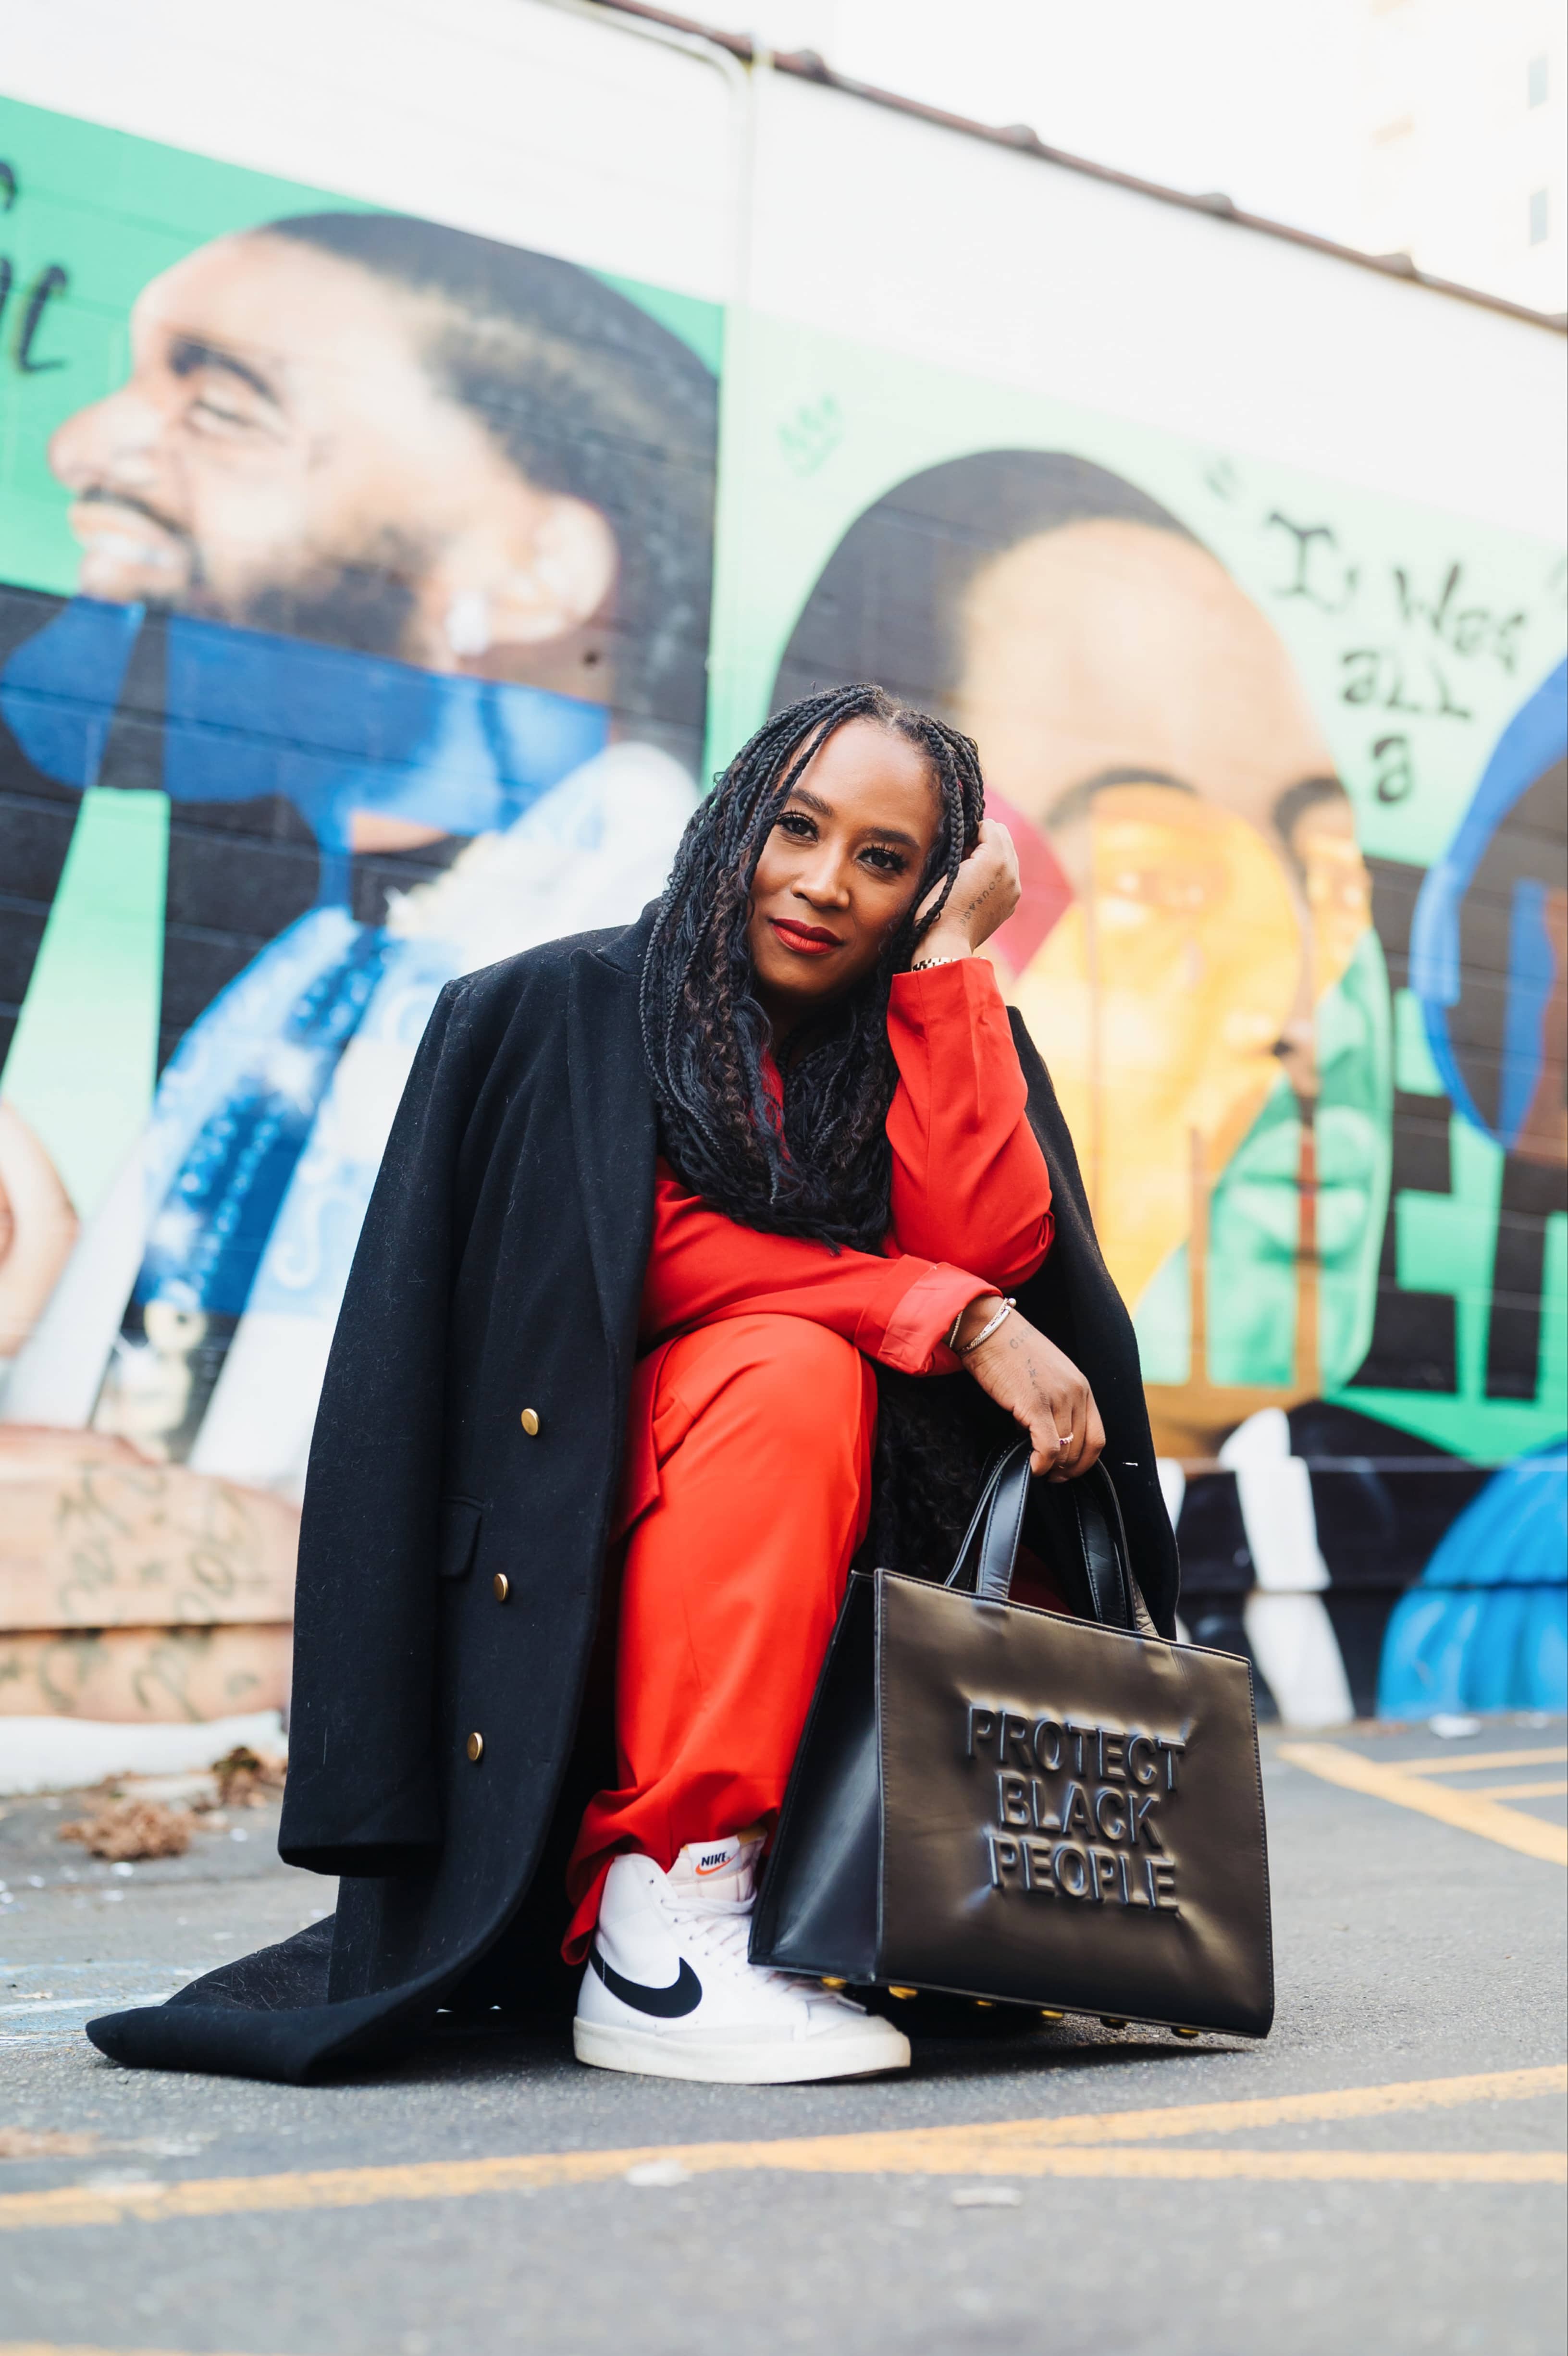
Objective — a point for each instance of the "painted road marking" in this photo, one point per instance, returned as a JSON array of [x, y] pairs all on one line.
[[33, 2006], [55, 2348], [1471, 1812], [1521, 1791], [1446, 1763], [1093, 2144]]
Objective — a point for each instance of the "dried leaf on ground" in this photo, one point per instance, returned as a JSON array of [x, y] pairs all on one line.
[[122, 1829], [247, 1778]]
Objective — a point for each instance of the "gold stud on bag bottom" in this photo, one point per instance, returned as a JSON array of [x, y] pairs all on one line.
[[1002, 1803]]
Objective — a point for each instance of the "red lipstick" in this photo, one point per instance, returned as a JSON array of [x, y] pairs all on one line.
[[807, 940]]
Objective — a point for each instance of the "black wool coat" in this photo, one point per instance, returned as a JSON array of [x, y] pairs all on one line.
[[500, 1271]]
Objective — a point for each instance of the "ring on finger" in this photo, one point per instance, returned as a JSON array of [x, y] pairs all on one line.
[[1064, 1440]]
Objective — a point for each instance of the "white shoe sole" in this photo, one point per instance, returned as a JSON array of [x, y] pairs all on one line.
[[844, 2054]]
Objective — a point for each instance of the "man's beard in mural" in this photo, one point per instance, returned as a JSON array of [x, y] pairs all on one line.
[[367, 605], [365, 602]]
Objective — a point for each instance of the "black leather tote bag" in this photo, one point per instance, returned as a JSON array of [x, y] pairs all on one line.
[[994, 1801]]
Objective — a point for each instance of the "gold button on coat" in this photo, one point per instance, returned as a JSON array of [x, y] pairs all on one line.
[[502, 1586], [475, 1747], [530, 1421]]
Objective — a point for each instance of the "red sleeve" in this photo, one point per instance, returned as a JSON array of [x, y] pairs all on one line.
[[970, 1182], [703, 1268]]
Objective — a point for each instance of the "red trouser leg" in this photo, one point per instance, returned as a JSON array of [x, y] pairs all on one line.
[[763, 1427]]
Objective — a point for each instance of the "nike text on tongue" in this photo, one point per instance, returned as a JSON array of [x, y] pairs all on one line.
[[714, 1856]]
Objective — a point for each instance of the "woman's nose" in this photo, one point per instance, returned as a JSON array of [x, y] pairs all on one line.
[[825, 887]]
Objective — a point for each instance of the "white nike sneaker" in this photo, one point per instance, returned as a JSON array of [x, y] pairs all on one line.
[[668, 1991]]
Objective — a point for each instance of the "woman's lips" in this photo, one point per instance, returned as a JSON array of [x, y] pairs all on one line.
[[807, 940]]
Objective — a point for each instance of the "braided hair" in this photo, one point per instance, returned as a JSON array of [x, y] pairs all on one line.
[[820, 1166]]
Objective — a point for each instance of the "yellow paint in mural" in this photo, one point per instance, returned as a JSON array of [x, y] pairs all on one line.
[[1158, 1002]]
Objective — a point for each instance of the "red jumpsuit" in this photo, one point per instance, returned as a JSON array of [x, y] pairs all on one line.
[[747, 1479]]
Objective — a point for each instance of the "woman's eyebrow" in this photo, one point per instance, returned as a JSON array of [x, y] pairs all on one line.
[[820, 808]]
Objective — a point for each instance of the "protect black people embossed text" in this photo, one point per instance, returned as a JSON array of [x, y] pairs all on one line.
[[1079, 1809]]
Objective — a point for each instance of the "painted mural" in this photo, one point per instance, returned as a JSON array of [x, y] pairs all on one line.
[[355, 585], [386, 553]]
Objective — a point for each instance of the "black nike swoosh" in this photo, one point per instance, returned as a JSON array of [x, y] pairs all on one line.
[[683, 1995]]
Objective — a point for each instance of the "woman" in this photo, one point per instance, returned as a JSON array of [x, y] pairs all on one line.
[[653, 1202]]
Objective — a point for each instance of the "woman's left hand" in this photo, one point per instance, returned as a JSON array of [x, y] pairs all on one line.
[[1022, 1369], [985, 893]]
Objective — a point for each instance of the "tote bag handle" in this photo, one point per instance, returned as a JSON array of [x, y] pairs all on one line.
[[1086, 1518]]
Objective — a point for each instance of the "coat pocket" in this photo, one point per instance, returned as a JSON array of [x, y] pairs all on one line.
[[460, 1520]]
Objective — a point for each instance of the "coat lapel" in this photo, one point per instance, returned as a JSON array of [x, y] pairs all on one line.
[[614, 1130]]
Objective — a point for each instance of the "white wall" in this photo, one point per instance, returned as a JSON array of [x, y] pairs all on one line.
[[579, 134]]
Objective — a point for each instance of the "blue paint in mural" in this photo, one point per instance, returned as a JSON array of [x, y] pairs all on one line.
[[1532, 744], [1486, 1627], [334, 731]]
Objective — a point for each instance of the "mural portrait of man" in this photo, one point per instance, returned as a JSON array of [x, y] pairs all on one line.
[[394, 580]]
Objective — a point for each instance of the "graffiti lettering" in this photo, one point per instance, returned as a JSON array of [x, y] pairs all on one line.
[[1321, 574], [1469, 630], [1380, 675], [809, 439], [1393, 772], [51, 283]]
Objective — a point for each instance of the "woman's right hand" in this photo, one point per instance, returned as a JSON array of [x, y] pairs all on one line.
[[985, 893], [1039, 1386]]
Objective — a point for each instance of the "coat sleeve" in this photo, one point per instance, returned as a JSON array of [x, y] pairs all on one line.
[[1074, 1300], [362, 1797], [969, 1182]]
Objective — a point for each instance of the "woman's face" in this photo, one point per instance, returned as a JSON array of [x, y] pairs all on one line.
[[840, 870]]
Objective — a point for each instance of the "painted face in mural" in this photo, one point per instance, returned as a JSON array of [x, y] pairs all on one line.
[[283, 455], [1132, 703]]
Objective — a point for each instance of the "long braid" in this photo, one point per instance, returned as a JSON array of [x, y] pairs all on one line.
[[824, 1169]]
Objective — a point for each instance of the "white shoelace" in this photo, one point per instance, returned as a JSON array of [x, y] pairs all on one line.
[[723, 1929]]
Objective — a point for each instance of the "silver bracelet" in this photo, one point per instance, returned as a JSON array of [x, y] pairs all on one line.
[[926, 965], [986, 1331]]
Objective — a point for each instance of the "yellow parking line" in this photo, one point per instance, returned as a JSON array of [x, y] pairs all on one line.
[[1521, 1791], [1277, 2110], [1446, 1763], [1471, 1812], [76, 2347], [1095, 2144]]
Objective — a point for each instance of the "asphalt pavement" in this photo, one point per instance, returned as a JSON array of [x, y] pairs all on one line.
[[1394, 2182]]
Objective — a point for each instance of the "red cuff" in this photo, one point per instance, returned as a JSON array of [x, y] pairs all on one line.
[[914, 1338]]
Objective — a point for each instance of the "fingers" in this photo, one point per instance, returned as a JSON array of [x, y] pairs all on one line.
[[1051, 1442], [1087, 1443], [1066, 1467]]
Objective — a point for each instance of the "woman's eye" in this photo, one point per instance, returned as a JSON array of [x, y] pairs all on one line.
[[885, 862], [796, 824]]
